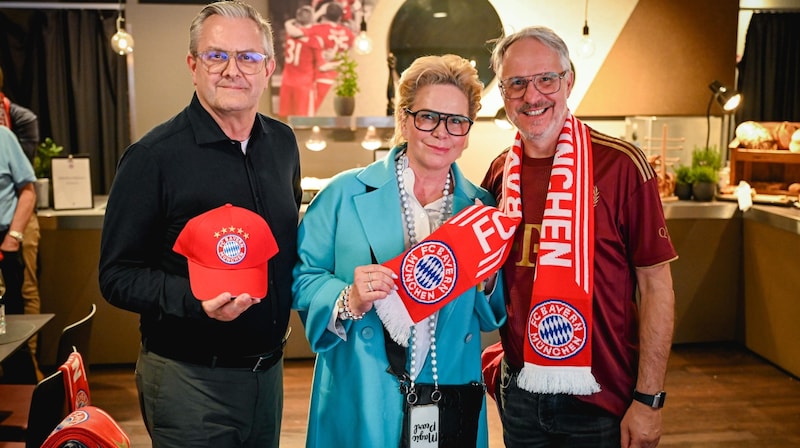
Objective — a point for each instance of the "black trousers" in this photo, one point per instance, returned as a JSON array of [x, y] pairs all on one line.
[[13, 268]]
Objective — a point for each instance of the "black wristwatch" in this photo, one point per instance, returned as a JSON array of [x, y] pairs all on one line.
[[654, 401]]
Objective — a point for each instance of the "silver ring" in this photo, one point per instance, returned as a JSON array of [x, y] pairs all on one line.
[[369, 285]]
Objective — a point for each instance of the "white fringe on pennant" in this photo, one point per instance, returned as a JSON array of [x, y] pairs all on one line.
[[395, 318], [557, 380]]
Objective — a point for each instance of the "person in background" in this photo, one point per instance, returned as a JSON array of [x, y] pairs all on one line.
[[367, 216], [21, 120], [302, 55], [25, 125], [599, 381], [337, 38], [17, 201], [210, 372]]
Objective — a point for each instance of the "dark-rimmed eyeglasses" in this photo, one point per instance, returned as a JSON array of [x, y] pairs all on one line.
[[546, 83], [427, 120], [249, 62]]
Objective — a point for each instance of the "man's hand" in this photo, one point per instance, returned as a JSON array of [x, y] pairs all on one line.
[[641, 426], [226, 308]]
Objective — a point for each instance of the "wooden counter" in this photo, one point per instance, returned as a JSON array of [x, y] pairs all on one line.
[[707, 275], [771, 244], [69, 252]]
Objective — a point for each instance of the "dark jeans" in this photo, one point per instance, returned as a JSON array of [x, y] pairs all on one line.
[[552, 420]]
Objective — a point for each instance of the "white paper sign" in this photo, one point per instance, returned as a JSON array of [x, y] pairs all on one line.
[[72, 183]]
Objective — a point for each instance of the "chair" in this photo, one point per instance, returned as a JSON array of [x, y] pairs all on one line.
[[53, 398], [76, 336], [46, 408]]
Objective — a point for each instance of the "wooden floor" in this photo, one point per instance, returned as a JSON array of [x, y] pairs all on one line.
[[718, 396]]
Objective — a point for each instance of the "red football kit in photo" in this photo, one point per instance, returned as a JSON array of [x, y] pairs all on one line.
[[302, 56], [336, 38]]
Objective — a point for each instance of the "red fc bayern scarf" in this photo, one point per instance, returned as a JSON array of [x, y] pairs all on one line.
[[558, 353], [464, 251]]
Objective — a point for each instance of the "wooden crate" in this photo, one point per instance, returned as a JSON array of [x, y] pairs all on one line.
[[767, 170]]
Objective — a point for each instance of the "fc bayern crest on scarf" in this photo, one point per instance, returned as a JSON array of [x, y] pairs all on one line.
[[231, 248], [429, 272], [556, 330]]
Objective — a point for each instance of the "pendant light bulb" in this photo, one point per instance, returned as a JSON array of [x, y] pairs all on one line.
[[371, 141], [316, 142], [586, 45], [363, 43], [121, 41]]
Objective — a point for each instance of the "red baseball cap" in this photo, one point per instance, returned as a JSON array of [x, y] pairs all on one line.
[[227, 249]]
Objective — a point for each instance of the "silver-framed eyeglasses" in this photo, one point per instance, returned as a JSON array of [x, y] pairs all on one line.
[[249, 62], [546, 83], [427, 120]]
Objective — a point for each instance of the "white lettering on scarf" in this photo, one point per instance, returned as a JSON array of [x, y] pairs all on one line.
[[491, 230], [555, 247]]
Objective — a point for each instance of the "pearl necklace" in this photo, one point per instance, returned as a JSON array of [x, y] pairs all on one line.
[[412, 238]]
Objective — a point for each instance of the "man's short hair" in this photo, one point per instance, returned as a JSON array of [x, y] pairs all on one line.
[[333, 11]]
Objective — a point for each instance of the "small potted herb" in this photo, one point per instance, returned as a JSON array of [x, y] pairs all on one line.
[[346, 85], [684, 178], [42, 162]]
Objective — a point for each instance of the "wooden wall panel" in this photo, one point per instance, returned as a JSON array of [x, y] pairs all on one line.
[[665, 58]]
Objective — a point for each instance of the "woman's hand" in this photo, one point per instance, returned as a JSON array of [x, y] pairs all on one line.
[[370, 283]]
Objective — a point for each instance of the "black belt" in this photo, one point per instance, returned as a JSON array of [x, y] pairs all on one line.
[[257, 363]]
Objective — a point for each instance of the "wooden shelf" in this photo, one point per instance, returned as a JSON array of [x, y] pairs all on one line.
[[764, 166]]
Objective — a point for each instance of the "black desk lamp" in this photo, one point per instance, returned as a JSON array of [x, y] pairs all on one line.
[[728, 99]]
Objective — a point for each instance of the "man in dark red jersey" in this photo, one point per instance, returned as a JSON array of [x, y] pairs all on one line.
[[589, 299]]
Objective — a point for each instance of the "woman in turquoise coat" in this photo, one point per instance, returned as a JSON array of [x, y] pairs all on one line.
[[359, 221]]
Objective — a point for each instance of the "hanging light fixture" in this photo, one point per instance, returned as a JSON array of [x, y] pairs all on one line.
[[440, 9], [121, 41], [371, 140], [316, 142], [587, 47], [363, 43]]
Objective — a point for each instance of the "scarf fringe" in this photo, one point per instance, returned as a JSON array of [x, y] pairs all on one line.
[[392, 312], [556, 380]]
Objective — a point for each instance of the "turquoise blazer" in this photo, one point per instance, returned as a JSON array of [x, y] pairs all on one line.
[[355, 402]]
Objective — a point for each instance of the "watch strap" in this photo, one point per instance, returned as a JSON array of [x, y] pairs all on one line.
[[16, 235], [654, 401]]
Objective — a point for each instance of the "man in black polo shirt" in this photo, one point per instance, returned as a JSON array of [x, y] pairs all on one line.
[[209, 372]]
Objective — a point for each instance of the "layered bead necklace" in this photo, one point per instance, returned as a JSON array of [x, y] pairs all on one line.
[[408, 217]]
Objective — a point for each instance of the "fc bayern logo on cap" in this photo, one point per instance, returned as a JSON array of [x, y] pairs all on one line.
[[231, 249], [429, 272], [556, 330]]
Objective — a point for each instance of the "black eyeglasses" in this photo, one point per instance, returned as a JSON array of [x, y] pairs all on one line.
[[546, 83], [249, 62], [427, 120]]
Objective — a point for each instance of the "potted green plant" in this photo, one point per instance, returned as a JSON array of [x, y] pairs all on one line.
[[706, 163], [705, 182], [684, 178], [707, 157], [42, 163], [346, 84]]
